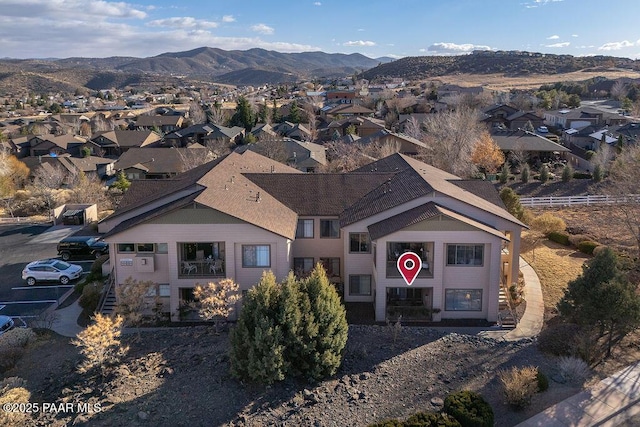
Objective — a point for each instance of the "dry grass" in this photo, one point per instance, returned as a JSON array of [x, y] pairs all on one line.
[[500, 82], [556, 265]]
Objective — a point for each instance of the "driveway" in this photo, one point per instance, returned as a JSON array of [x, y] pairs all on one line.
[[19, 245]]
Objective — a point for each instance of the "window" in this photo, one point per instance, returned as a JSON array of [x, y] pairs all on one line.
[[463, 300], [331, 266], [256, 256], [302, 265], [465, 255], [330, 228], [360, 285], [304, 229], [144, 247], [359, 243], [164, 290], [162, 248], [126, 247]]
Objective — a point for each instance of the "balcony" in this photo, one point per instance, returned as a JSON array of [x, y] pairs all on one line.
[[422, 249], [201, 260]]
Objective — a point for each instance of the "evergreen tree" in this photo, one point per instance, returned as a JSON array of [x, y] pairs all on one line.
[[243, 116], [121, 183], [512, 202], [524, 173], [602, 297], [257, 349], [567, 173], [275, 114], [263, 113], [294, 113], [544, 174]]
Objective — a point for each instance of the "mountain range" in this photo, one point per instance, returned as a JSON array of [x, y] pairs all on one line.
[[254, 66], [259, 66]]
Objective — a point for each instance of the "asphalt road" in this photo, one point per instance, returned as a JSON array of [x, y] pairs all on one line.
[[19, 245]]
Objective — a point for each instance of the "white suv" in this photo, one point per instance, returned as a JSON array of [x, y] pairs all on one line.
[[50, 270]]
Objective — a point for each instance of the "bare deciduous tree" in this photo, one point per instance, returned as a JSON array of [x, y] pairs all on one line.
[[451, 137], [136, 301], [194, 157], [216, 301], [272, 147], [196, 114], [619, 90], [413, 128], [342, 157], [47, 181]]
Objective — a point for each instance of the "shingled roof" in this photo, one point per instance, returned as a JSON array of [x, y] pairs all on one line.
[[220, 185], [422, 213], [415, 179], [319, 194]]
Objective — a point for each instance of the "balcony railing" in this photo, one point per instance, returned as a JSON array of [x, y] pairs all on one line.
[[202, 268]]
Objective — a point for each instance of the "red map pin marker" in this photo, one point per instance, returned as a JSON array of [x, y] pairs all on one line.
[[409, 265]]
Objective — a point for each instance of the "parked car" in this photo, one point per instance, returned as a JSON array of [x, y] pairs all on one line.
[[6, 324], [542, 129], [50, 270], [82, 247]]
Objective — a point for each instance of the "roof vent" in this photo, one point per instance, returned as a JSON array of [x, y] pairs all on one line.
[[258, 198]]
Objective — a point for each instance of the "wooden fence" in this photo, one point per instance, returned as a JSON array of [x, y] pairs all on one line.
[[539, 202]]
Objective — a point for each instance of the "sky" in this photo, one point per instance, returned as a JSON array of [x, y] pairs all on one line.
[[375, 28]]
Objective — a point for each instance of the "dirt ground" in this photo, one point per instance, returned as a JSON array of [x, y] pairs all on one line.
[[180, 377]]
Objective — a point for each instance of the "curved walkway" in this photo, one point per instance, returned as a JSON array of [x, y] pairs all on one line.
[[531, 323]]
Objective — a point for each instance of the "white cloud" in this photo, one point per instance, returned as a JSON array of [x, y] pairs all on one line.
[[97, 9], [574, 35], [360, 29], [553, 37], [394, 56], [563, 44], [182, 22], [317, 3], [228, 18], [537, 3], [359, 43], [455, 49], [616, 45], [262, 29]]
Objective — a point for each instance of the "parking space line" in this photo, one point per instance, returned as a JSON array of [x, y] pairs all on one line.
[[2, 306], [47, 301], [20, 288]]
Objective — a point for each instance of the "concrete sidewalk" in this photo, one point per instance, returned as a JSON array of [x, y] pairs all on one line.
[[609, 403], [531, 323], [67, 322]]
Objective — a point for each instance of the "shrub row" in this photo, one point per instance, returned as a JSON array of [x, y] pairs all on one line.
[[461, 409], [582, 242], [559, 237]]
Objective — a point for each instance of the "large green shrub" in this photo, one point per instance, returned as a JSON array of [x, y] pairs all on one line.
[[559, 237], [543, 381], [90, 297], [525, 173], [544, 174], [431, 419], [297, 328], [587, 246], [469, 408], [567, 173]]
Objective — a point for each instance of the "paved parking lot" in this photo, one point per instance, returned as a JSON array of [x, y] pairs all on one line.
[[19, 245]]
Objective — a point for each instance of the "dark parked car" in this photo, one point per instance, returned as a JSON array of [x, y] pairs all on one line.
[[82, 247]]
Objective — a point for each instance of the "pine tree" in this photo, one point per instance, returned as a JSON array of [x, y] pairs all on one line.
[[294, 113], [243, 116]]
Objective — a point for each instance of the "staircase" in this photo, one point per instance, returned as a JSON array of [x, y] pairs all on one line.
[[107, 304], [506, 318]]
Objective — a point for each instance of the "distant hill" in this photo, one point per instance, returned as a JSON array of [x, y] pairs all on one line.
[[510, 63], [253, 66]]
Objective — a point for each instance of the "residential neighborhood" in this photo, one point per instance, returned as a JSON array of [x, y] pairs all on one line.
[[257, 235]]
